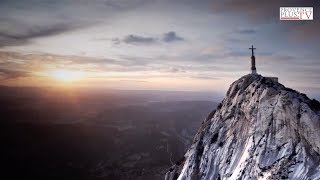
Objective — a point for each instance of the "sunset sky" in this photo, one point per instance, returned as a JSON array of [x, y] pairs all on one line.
[[155, 44]]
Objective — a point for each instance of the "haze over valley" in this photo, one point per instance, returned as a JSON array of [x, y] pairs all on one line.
[[98, 135]]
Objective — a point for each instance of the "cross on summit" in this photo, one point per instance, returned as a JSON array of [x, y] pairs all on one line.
[[253, 61], [252, 49], [253, 65]]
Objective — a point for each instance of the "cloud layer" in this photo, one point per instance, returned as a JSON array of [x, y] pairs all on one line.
[[7, 74], [134, 39], [171, 37], [262, 12], [185, 39], [9, 38]]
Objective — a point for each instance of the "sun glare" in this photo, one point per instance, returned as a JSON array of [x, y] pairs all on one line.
[[67, 75]]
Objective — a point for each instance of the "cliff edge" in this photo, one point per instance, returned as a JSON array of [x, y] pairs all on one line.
[[261, 130]]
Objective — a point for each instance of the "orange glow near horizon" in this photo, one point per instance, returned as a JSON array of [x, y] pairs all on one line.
[[64, 75], [74, 78]]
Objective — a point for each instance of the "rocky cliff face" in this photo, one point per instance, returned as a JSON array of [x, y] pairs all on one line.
[[261, 130]]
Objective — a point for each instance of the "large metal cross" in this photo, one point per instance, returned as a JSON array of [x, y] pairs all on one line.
[[252, 49]]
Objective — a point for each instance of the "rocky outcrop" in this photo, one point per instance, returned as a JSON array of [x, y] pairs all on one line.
[[261, 130]]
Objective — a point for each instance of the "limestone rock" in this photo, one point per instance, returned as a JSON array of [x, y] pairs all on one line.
[[261, 130]]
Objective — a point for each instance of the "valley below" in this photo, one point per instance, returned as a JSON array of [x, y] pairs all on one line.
[[97, 136]]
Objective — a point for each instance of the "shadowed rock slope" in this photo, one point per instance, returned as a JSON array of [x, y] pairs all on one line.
[[261, 130]]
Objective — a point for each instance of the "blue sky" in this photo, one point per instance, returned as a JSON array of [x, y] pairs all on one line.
[[157, 44]]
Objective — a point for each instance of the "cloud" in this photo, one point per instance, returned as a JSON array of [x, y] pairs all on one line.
[[171, 37], [206, 77], [234, 40], [34, 60], [136, 39], [306, 31], [9, 38], [22, 21], [6, 74], [125, 4], [175, 70], [246, 31], [168, 37], [258, 10], [265, 12], [39, 62], [137, 81], [238, 53]]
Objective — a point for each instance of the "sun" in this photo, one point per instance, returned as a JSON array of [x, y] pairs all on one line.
[[66, 75]]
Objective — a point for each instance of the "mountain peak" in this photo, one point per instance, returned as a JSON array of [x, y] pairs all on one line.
[[261, 130]]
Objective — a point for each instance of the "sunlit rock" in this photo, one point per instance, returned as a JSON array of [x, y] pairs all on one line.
[[261, 130]]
